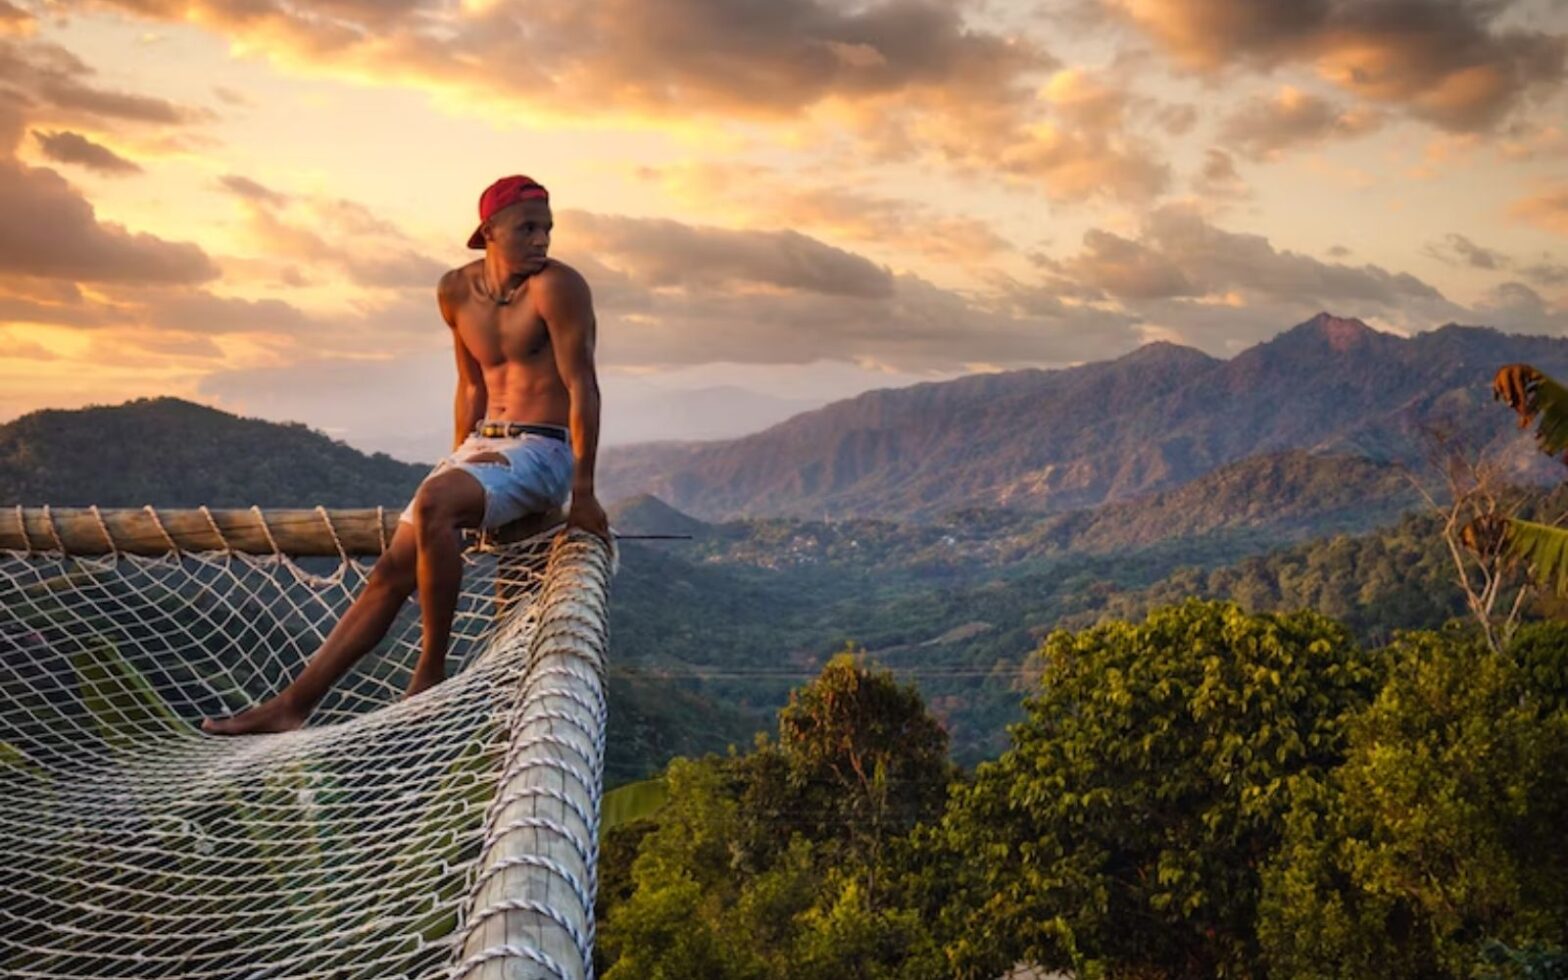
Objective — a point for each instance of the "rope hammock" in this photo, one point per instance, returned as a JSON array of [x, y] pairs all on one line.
[[452, 834]]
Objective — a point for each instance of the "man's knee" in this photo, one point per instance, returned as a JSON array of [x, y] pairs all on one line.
[[431, 509], [442, 504]]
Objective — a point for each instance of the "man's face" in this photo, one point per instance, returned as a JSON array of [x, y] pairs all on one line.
[[521, 233]]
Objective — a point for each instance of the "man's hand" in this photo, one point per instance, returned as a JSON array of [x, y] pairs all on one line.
[[588, 515]]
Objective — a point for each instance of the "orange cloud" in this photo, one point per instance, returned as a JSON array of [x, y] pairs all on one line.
[[15, 20], [760, 197], [1548, 209], [15, 345], [909, 79], [1441, 60], [665, 57]]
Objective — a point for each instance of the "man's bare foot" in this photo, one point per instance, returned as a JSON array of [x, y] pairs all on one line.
[[422, 681], [267, 717]]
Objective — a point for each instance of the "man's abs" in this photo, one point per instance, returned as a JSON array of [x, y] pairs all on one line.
[[512, 345], [527, 402]]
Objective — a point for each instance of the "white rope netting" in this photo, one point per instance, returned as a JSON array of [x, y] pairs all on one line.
[[450, 834]]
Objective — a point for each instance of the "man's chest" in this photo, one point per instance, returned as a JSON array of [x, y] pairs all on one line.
[[494, 333]]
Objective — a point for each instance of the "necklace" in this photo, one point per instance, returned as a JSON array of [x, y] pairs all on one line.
[[503, 299]]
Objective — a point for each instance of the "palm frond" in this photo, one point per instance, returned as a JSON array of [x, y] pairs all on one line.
[[1543, 548], [1533, 395]]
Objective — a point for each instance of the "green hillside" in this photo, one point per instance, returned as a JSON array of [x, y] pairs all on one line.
[[174, 453]]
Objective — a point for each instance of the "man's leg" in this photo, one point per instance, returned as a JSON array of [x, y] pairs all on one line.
[[354, 635], [445, 504]]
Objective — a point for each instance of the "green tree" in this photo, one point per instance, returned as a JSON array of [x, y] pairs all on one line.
[[862, 761], [770, 865], [1123, 832], [1442, 832]]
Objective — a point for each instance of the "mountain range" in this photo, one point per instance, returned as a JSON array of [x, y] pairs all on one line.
[[1049, 441], [1236, 472]]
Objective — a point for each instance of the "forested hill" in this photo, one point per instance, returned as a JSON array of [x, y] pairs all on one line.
[[1253, 504], [1112, 430], [174, 453]]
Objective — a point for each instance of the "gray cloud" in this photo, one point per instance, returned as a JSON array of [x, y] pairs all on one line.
[[68, 147], [56, 79], [198, 311], [250, 190], [1128, 270], [662, 254], [1545, 273], [672, 294], [50, 230], [1457, 249], [1180, 255], [232, 97], [1266, 125], [1218, 177], [1515, 307], [1176, 118], [1446, 61], [1222, 290], [919, 326]]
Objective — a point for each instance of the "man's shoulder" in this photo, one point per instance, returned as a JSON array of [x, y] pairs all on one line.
[[556, 272], [559, 282], [456, 282]]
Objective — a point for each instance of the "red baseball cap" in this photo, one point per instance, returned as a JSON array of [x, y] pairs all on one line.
[[504, 193]]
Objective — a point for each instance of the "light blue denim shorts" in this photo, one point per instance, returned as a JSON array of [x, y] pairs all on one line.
[[536, 477]]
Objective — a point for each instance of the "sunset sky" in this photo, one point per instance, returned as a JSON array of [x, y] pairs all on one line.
[[776, 202]]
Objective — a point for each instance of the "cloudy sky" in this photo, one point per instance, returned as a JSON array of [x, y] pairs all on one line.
[[776, 202]]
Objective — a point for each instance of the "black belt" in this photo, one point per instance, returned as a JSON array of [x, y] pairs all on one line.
[[505, 430]]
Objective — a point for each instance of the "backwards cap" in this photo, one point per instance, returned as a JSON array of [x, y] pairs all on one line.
[[501, 194]]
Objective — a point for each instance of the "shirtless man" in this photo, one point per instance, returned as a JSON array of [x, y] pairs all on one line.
[[523, 326]]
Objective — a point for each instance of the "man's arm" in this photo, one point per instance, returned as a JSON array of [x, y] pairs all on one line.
[[566, 304], [472, 398]]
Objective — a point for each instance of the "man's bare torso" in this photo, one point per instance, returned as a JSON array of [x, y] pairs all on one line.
[[510, 342]]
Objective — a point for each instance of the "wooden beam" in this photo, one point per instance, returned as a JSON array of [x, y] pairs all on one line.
[[150, 531]]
